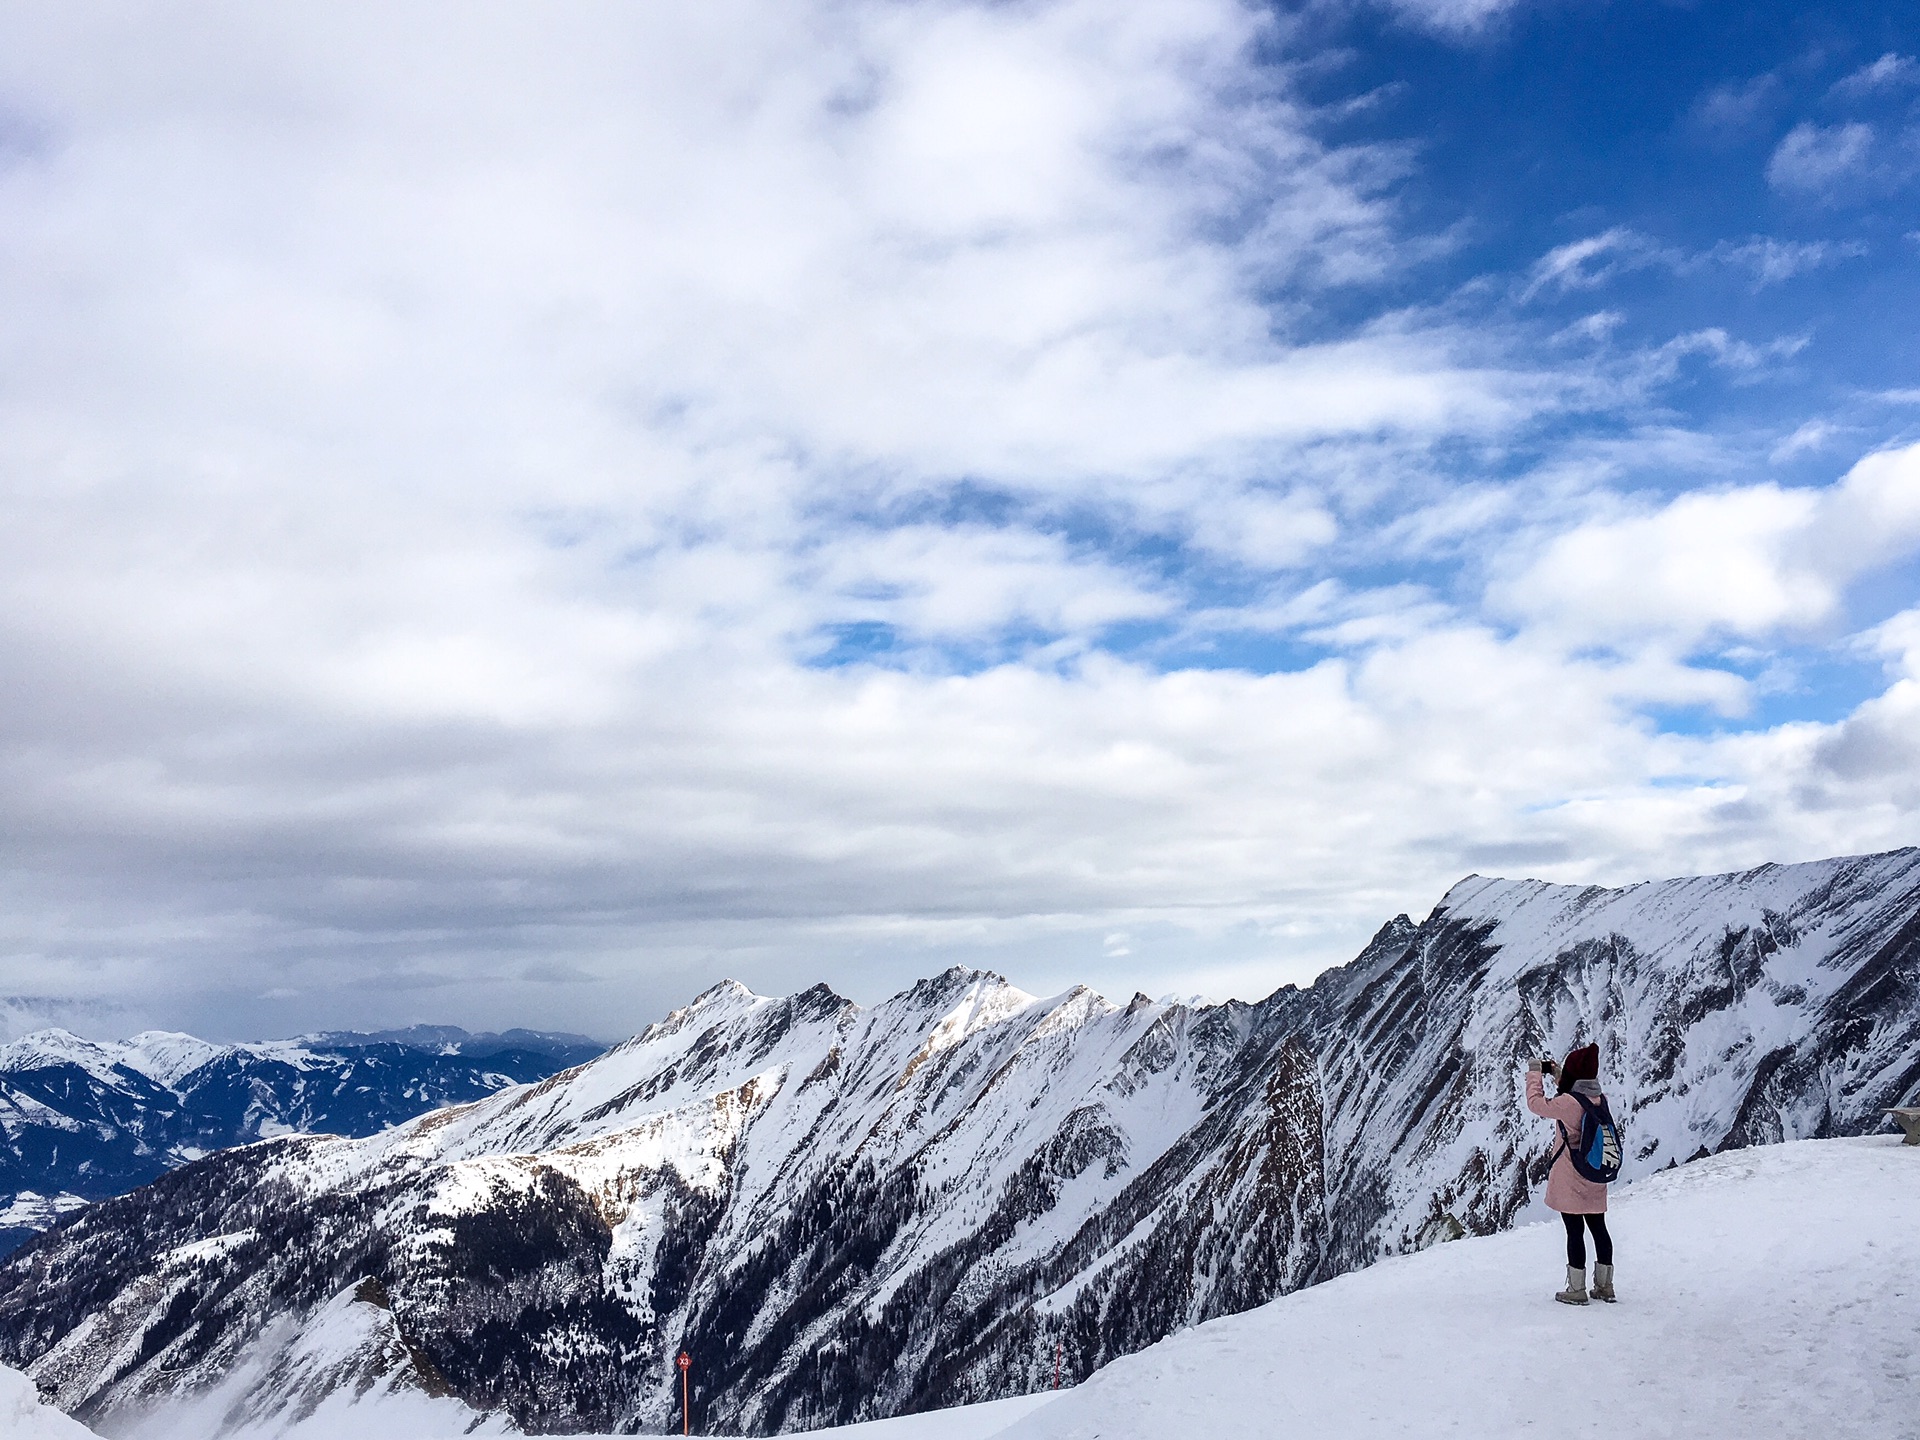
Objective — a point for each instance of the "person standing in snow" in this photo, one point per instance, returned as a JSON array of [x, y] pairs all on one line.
[[1580, 1201]]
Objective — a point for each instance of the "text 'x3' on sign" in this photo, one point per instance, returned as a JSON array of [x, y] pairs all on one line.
[[685, 1362]]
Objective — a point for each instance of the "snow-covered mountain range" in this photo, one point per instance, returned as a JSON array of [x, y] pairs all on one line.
[[844, 1213], [81, 1120], [1704, 1342]]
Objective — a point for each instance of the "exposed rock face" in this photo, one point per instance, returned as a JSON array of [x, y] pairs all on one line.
[[844, 1213], [81, 1120]]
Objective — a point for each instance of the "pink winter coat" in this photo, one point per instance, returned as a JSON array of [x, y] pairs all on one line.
[[1568, 1191]]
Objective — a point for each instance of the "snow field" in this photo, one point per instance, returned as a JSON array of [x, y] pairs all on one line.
[[962, 1422], [1772, 1292], [23, 1416]]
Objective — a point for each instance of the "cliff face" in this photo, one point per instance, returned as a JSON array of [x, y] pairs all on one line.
[[846, 1213], [1731, 1010]]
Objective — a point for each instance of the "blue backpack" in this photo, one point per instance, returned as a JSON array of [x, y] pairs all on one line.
[[1597, 1156]]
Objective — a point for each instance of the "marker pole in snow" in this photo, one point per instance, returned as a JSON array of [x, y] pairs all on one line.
[[1056, 1363], [685, 1362]]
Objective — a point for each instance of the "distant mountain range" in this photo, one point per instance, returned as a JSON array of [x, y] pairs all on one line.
[[844, 1213], [82, 1120]]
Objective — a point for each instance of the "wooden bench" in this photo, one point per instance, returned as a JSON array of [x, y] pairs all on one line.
[[1908, 1119]]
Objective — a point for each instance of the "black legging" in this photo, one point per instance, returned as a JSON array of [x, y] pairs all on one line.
[[1577, 1243]]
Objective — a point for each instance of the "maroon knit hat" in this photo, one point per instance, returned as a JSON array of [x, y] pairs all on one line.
[[1582, 1063]]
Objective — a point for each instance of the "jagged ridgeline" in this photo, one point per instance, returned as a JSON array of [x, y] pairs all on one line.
[[846, 1213]]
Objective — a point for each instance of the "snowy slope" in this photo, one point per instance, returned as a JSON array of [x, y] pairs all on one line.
[[1765, 1293], [24, 1417], [384, 1413], [343, 1373], [850, 1213], [961, 1422]]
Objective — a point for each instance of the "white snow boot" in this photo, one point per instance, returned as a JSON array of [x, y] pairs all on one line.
[[1603, 1283], [1576, 1291]]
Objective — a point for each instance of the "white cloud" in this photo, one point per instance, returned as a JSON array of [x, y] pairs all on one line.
[[1735, 106], [1748, 561], [957, 583], [1897, 641], [1889, 71], [1456, 17], [1265, 531], [1722, 349], [1813, 435], [1588, 263], [1584, 264], [1598, 327], [1876, 749], [1773, 261], [1814, 158], [1702, 562]]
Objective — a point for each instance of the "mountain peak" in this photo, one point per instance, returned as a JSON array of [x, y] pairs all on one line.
[[953, 980], [723, 995], [55, 1046], [167, 1056], [718, 1002]]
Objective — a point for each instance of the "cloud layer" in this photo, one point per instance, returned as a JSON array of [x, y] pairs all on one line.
[[506, 523]]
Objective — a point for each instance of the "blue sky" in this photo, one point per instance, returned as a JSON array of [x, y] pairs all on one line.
[[511, 516]]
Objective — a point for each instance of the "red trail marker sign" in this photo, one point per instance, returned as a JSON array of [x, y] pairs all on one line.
[[685, 1362]]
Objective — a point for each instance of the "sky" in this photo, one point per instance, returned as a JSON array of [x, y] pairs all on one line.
[[510, 514]]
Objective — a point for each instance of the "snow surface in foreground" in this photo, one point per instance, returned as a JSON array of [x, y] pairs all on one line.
[[961, 1422], [22, 1414], [1765, 1293]]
